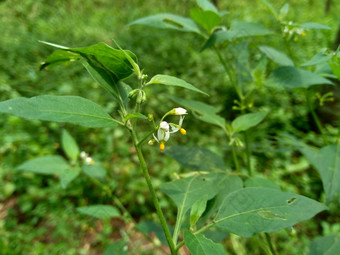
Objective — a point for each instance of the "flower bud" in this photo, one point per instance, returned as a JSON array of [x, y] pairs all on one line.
[[133, 93]]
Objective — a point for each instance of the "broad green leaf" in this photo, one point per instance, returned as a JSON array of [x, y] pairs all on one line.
[[69, 145], [135, 115], [196, 158], [202, 111], [283, 11], [248, 211], [326, 245], [49, 165], [238, 30], [291, 77], [198, 244], [68, 175], [246, 121], [106, 65], [327, 162], [152, 227], [95, 171], [172, 81], [207, 19], [261, 182], [335, 66], [277, 56], [71, 109], [100, 211], [241, 59], [196, 211], [168, 21], [319, 58], [119, 248], [224, 184], [313, 25], [185, 192], [206, 5]]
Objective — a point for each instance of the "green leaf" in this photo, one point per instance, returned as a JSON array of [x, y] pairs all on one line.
[[207, 19], [198, 244], [71, 109], [325, 245], [246, 121], [270, 7], [119, 247], [185, 192], [291, 77], [152, 227], [283, 11], [49, 165], [196, 158], [202, 111], [238, 30], [68, 175], [320, 58], [335, 66], [248, 211], [100, 211], [59, 57], [69, 145], [196, 211], [135, 115], [261, 182], [326, 162], [277, 56], [105, 64], [206, 5], [95, 171], [172, 81], [313, 25], [168, 21]]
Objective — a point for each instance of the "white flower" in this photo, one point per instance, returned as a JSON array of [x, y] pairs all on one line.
[[179, 111], [163, 134], [164, 125], [175, 128]]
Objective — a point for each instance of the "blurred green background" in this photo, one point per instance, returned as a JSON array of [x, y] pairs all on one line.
[[36, 215]]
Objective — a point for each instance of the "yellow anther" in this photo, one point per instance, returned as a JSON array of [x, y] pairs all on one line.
[[162, 146], [303, 33], [92, 162], [183, 131]]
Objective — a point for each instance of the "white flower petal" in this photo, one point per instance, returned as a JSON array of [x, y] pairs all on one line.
[[166, 136], [180, 111], [155, 138], [164, 125]]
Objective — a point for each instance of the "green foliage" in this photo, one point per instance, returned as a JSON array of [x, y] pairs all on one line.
[[100, 211], [325, 245]]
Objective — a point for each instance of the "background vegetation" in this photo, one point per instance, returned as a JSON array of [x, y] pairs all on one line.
[[37, 216]]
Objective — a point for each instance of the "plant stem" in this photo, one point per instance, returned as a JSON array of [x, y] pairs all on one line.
[[270, 244], [237, 165], [153, 194], [315, 118]]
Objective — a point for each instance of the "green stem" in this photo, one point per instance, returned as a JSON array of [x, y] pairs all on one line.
[[315, 118], [237, 164], [270, 244], [153, 194], [248, 153]]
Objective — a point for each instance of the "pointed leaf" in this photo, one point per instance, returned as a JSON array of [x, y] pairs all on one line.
[[327, 163], [100, 211], [69, 145], [202, 111], [198, 244], [196, 211], [326, 245], [270, 7], [196, 158], [319, 58], [71, 109], [291, 77], [68, 175], [246, 121], [207, 19], [172, 81], [168, 21], [277, 56], [185, 192], [313, 25], [249, 211], [49, 165], [59, 57]]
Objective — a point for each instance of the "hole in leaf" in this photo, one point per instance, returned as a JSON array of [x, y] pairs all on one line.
[[172, 22], [291, 201]]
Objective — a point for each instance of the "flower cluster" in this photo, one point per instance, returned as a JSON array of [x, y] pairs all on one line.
[[86, 158], [165, 129]]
